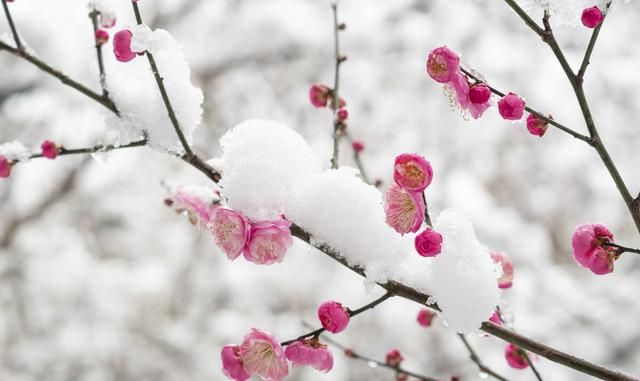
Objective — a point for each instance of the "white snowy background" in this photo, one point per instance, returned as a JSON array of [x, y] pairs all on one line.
[[100, 281]]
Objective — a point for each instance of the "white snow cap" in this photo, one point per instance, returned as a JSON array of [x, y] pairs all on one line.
[[14, 150], [269, 170], [134, 90]]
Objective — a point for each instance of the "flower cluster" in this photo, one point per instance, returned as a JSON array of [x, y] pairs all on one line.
[[262, 243], [590, 248]]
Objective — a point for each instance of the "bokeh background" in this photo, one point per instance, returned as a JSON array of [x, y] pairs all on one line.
[[100, 281]]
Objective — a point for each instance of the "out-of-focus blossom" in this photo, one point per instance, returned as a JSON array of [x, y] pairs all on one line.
[[102, 36], [428, 243], [425, 317], [506, 279], [536, 126], [515, 357], [263, 356], [231, 231], [319, 95], [511, 107], [268, 242], [5, 167], [404, 209], [412, 172], [50, 150], [357, 146], [442, 64], [495, 318], [590, 249], [232, 363], [310, 353], [394, 358], [122, 46], [333, 316], [107, 20], [343, 114], [198, 203], [592, 17]]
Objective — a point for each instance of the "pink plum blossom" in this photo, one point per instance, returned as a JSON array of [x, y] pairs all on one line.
[[50, 150], [319, 95], [590, 251], [442, 64], [506, 279], [5, 167], [412, 172], [404, 209], [394, 358], [263, 356], [232, 363], [343, 114], [198, 207], [428, 243], [479, 93], [515, 357], [333, 316], [592, 17], [268, 242], [425, 317], [231, 230], [310, 353], [357, 146], [495, 318], [459, 89], [102, 36], [107, 20], [511, 107], [536, 126], [122, 46]]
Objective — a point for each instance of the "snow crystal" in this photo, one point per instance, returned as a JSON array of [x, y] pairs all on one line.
[[14, 150], [261, 163], [133, 87], [464, 275], [270, 170]]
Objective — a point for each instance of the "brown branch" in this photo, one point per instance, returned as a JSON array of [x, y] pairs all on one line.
[[335, 100], [592, 44], [94, 21], [623, 249], [98, 148], [12, 26], [476, 359], [317, 332]]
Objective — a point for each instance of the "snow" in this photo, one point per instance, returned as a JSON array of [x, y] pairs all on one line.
[[346, 214], [566, 12], [14, 150], [133, 87], [262, 161]]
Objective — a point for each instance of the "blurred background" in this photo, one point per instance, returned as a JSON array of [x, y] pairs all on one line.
[[100, 281]]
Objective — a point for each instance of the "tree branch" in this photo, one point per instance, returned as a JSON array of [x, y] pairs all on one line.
[[592, 44], [476, 359], [12, 26], [335, 100], [94, 21]]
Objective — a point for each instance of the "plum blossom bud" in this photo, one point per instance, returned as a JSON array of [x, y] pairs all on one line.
[[404, 210], [515, 357], [50, 150], [333, 316], [459, 89], [122, 46], [442, 64], [268, 242], [343, 114], [479, 93], [5, 167], [102, 36], [232, 363], [428, 243], [506, 279], [495, 318], [425, 317], [231, 231], [412, 172], [536, 126], [511, 107], [592, 17], [590, 249], [263, 356], [349, 352], [107, 20], [358, 146], [394, 358], [310, 353], [319, 95]]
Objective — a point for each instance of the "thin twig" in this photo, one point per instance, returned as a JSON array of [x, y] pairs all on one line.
[[105, 101], [94, 149], [476, 359], [335, 100], [427, 218], [592, 44], [357, 159], [94, 21], [531, 365], [317, 332], [12, 26], [623, 249], [356, 356]]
